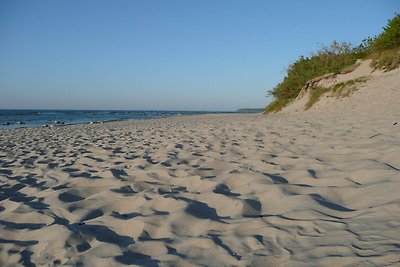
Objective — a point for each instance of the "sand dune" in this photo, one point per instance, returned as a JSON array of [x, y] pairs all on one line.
[[378, 93], [211, 190]]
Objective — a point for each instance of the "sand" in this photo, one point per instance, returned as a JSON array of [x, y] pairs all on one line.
[[203, 190], [319, 188]]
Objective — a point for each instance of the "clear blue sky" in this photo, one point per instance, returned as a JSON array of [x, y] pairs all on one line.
[[166, 55]]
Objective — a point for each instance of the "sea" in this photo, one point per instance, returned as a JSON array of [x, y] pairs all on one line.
[[12, 118]]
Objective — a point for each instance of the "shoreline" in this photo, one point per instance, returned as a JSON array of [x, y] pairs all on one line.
[[106, 121]]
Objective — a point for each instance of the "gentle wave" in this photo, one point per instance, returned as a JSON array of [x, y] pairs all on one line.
[[23, 118]]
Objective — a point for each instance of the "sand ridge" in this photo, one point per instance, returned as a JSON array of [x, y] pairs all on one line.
[[213, 190]]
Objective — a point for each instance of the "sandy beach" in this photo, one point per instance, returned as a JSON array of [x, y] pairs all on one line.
[[209, 190], [199, 133]]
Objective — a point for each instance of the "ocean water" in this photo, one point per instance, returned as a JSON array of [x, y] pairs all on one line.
[[27, 118]]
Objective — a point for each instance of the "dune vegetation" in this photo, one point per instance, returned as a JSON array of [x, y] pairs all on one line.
[[341, 89], [384, 50]]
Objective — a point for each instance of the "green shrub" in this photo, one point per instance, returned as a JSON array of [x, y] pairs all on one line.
[[390, 37], [326, 60], [385, 48], [276, 105]]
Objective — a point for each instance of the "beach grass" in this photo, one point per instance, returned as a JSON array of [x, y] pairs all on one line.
[[342, 89]]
